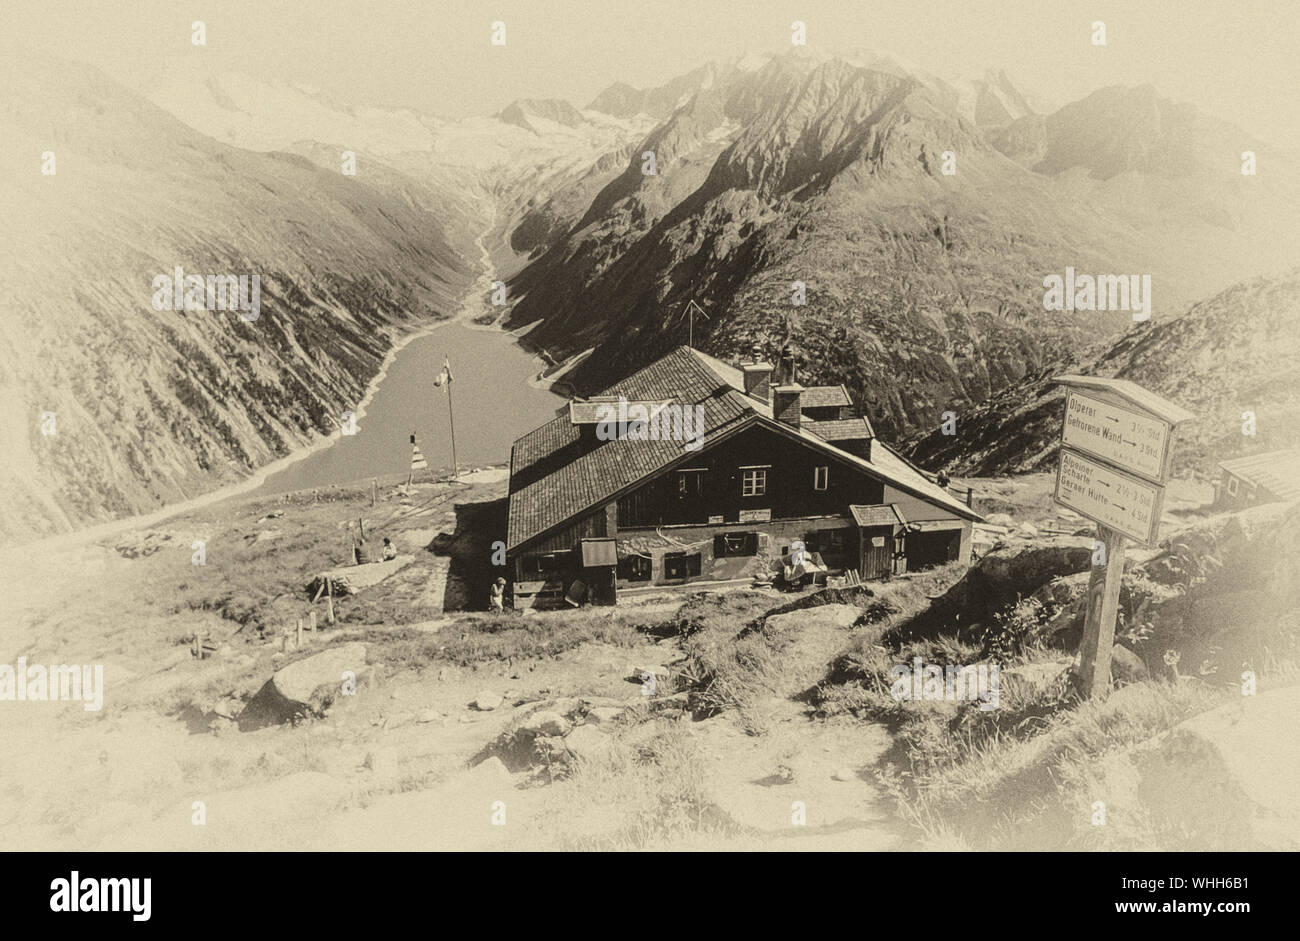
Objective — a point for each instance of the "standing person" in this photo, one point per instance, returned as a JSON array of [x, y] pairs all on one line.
[[498, 597], [390, 550]]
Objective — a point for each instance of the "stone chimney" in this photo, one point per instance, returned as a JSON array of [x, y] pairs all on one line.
[[758, 381], [787, 402]]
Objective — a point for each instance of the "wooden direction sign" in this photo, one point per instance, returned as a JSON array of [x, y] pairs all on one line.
[[1116, 453], [1107, 496], [1123, 437]]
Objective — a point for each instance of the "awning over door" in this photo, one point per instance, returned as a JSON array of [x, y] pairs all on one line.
[[878, 514]]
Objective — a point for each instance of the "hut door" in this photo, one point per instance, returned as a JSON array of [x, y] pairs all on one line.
[[877, 551]]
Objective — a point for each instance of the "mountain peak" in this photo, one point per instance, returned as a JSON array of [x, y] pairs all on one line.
[[522, 112]]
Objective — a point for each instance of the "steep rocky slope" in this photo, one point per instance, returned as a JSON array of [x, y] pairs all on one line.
[[1236, 352], [153, 406], [925, 290]]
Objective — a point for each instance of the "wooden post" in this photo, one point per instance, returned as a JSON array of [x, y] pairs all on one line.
[[299, 633], [362, 524], [1101, 611], [374, 490], [329, 597], [311, 622]]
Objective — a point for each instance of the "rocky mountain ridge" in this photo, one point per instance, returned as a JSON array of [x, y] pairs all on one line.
[[924, 287]]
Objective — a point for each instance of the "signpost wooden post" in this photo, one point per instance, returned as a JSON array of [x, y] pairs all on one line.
[[1116, 457]]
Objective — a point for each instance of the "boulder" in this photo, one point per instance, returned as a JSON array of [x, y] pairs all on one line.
[[546, 722], [487, 700], [306, 687], [1007, 574], [490, 771], [303, 677], [844, 774], [1126, 666]]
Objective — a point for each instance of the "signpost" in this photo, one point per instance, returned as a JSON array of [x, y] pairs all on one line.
[[1120, 501], [1116, 455], [1119, 435]]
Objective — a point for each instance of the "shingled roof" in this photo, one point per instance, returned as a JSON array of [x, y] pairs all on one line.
[[555, 475], [840, 429], [1278, 472], [825, 397]]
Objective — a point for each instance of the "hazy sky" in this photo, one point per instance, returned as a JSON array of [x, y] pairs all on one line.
[[1235, 60]]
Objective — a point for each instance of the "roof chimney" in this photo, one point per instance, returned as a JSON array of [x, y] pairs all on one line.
[[785, 370], [787, 401], [758, 381]]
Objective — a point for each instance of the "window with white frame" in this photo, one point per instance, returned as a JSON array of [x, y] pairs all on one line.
[[821, 475], [753, 482], [1232, 486]]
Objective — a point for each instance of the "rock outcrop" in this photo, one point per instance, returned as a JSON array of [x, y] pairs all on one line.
[[305, 688]]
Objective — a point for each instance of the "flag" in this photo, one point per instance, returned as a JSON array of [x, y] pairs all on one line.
[[417, 458], [445, 376]]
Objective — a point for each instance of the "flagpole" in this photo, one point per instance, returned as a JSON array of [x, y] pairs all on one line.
[[451, 418]]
